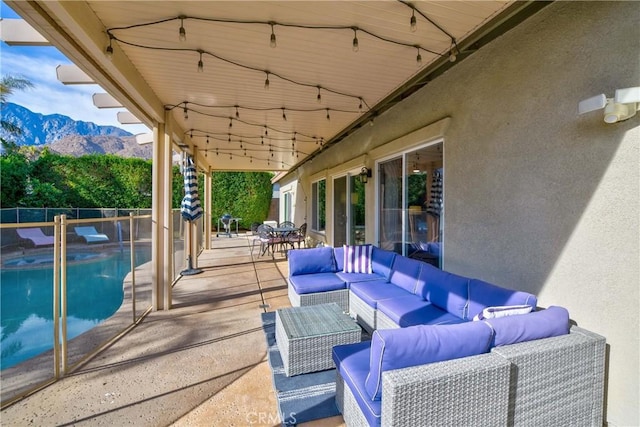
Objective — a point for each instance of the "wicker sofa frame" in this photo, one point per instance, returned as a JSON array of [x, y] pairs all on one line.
[[555, 381]]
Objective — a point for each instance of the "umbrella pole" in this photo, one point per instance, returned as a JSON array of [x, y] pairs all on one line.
[[190, 271]]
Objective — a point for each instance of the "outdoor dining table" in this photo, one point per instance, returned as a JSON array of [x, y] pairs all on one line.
[[283, 233]]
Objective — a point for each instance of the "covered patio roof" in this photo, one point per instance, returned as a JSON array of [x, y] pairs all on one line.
[[265, 85]]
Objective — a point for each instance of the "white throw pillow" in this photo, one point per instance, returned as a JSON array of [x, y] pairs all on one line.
[[357, 259], [502, 311]]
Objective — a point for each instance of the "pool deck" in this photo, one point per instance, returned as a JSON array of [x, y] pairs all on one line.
[[202, 363]]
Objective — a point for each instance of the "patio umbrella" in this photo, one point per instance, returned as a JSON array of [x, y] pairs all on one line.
[[190, 209]]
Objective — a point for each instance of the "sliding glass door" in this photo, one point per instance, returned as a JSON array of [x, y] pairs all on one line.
[[410, 203], [348, 211]]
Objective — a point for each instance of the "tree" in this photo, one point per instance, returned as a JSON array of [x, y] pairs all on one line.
[[8, 85]]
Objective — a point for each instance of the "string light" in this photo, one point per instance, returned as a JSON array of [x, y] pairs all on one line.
[[418, 57], [266, 81], [319, 97], [328, 117], [452, 53], [284, 116], [355, 39], [182, 33], [186, 112], [237, 113], [272, 42], [109, 50], [200, 63], [413, 21]]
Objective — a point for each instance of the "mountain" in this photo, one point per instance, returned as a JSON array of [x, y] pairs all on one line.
[[67, 136]]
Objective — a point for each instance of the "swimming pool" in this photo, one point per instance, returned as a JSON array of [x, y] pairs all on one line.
[[94, 293]]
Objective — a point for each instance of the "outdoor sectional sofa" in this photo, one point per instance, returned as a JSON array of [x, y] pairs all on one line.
[[437, 357]]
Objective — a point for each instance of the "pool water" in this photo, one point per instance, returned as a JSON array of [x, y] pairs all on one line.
[[94, 293]]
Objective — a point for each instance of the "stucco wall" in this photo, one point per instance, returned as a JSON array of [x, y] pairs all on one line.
[[536, 197]]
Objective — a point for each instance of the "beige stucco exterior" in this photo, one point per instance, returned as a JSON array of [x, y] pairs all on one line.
[[537, 197]]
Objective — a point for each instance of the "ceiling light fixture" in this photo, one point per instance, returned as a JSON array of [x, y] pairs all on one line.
[[624, 105]]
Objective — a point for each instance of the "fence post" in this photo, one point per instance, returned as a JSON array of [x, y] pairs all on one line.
[[133, 265], [63, 290], [56, 297]]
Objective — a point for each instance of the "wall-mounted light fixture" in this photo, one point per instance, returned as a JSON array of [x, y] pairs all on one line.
[[364, 175], [622, 106]]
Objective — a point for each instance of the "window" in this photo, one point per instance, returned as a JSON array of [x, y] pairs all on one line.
[[318, 204], [288, 206]]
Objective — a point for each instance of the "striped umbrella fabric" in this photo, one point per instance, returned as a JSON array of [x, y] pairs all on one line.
[[190, 208]]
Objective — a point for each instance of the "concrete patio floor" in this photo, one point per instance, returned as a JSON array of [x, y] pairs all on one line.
[[202, 363]]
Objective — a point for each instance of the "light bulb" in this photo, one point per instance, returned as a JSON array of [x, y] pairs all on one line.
[[186, 113], [319, 97], [109, 51], [266, 82], [413, 21], [272, 42], [182, 33], [419, 59], [355, 40], [200, 63]]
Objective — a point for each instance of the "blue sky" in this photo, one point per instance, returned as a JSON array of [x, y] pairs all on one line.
[[49, 96]]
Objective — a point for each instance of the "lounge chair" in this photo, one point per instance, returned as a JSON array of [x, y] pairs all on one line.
[[36, 236], [91, 235]]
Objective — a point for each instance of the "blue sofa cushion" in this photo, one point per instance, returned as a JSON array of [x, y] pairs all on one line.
[[350, 278], [338, 254], [405, 272], [553, 321], [375, 290], [483, 295], [428, 275], [419, 345], [449, 292], [411, 310], [352, 361], [381, 261], [357, 259], [320, 282], [314, 260]]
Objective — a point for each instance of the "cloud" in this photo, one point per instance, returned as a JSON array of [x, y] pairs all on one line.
[[49, 96]]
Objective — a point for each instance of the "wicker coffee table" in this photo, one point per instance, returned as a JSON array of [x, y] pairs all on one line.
[[305, 336]]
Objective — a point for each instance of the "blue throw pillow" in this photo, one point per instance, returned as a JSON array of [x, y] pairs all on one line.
[[553, 321], [422, 344]]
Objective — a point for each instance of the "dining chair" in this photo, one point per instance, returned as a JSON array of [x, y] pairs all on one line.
[[299, 236]]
